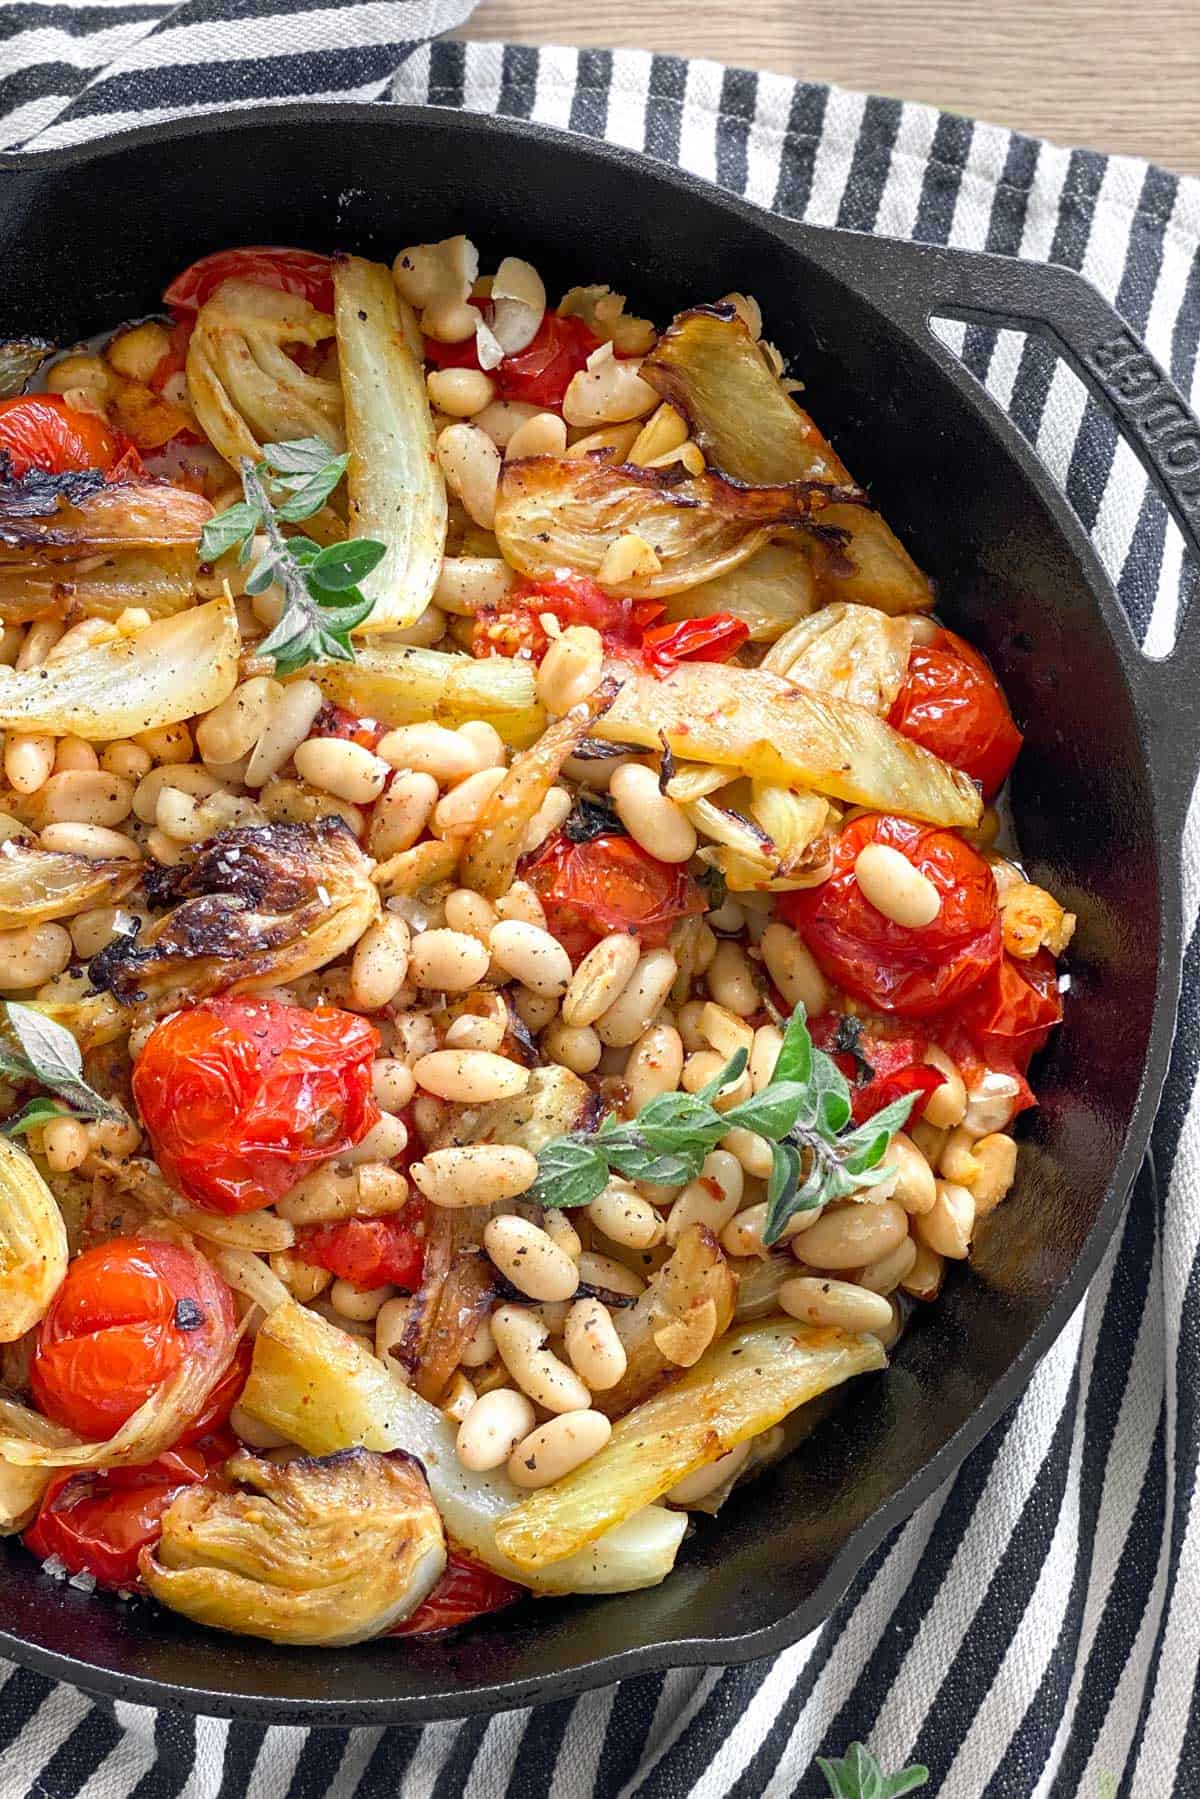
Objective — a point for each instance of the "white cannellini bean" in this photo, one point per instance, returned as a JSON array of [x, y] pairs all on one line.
[[730, 980], [28, 761], [288, 724], [529, 1258], [94, 841], [466, 584], [521, 902], [608, 392], [752, 1151], [492, 1428], [544, 434], [460, 393], [457, 813], [726, 1032], [480, 1346], [946, 1106], [470, 1077], [655, 822], [391, 1321], [521, 1341], [359, 1304], [623, 1216], [600, 979], [386, 1139], [990, 1104], [72, 754], [447, 961], [743, 1235], [695, 1487], [552, 813], [712, 1198], [478, 1174], [33, 955], [914, 1187], [532, 956], [596, 1270], [554, 1448], [65, 1144], [887, 1272], [392, 1083], [470, 462], [470, 912], [591, 1341], [840, 1304], [346, 770], [792, 967], [85, 797], [573, 1046], [847, 1236], [474, 1030], [380, 963], [401, 814], [634, 1010], [654, 1065], [232, 729], [948, 1224], [571, 669], [562, 1232], [895, 886]]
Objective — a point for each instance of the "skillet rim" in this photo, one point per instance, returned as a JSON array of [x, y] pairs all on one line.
[[820, 244]]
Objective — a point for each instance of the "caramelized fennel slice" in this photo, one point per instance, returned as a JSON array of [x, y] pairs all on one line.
[[403, 685], [33, 1244], [255, 906], [174, 668], [751, 1379], [37, 884], [711, 370], [773, 730], [769, 591], [396, 488], [555, 512], [694, 1289], [319, 1388], [330, 1551], [245, 389]]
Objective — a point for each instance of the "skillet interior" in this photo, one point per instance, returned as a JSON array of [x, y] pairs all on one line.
[[90, 238]]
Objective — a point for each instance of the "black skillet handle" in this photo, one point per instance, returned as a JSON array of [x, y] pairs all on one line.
[[927, 280]]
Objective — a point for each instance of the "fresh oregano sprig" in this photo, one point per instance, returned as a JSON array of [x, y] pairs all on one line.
[[322, 601], [35, 1048], [857, 1775], [803, 1112]]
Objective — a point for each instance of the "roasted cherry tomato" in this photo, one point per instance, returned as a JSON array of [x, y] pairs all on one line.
[[1008, 1018], [173, 361], [335, 721], [295, 271], [896, 968], [712, 639], [126, 1317], [952, 703], [96, 1523], [241, 1095], [589, 890], [515, 629], [465, 1591], [880, 1064], [367, 1252], [538, 375], [41, 431]]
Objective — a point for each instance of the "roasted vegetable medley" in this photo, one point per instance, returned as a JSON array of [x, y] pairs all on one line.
[[509, 983]]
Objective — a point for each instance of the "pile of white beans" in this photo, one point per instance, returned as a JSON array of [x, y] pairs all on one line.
[[439, 970]]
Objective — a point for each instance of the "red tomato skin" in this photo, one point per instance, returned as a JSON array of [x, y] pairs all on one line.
[[896, 1056], [465, 1591], [952, 703], [1007, 1020], [538, 375], [97, 1523], [294, 271], [335, 721], [913, 973], [110, 1336], [240, 1096], [367, 1252], [589, 890], [41, 431], [712, 639]]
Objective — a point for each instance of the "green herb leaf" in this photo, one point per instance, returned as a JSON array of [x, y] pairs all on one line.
[[237, 524], [310, 495], [303, 456], [802, 1112], [32, 1115], [47, 1053], [857, 1775], [343, 565]]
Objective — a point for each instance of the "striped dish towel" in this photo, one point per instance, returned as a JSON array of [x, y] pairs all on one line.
[[1031, 1632]]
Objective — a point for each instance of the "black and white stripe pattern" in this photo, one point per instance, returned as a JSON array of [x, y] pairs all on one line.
[[1031, 1632]]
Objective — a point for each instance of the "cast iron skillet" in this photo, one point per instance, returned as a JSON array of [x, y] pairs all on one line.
[[90, 236]]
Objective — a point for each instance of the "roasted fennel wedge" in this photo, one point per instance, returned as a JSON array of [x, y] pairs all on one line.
[[174, 668], [37, 884], [751, 1379], [401, 685], [33, 1244], [711, 370], [397, 493], [772, 730], [555, 512], [769, 591], [318, 1387]]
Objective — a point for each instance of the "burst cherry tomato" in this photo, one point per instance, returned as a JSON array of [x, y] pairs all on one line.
[[125, 1318], [712, 639], [882, 1066], [538, 375], [589, 890], [335, 721], [41, 431], [241, 1095], [294, 271], [173, 361], [96, 1523], [951, 702], [465, 1591], [367, 1252], [1007, 1019], [896, 968]]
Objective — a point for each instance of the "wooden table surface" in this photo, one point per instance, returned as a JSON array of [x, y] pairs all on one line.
[[1108, 74]]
